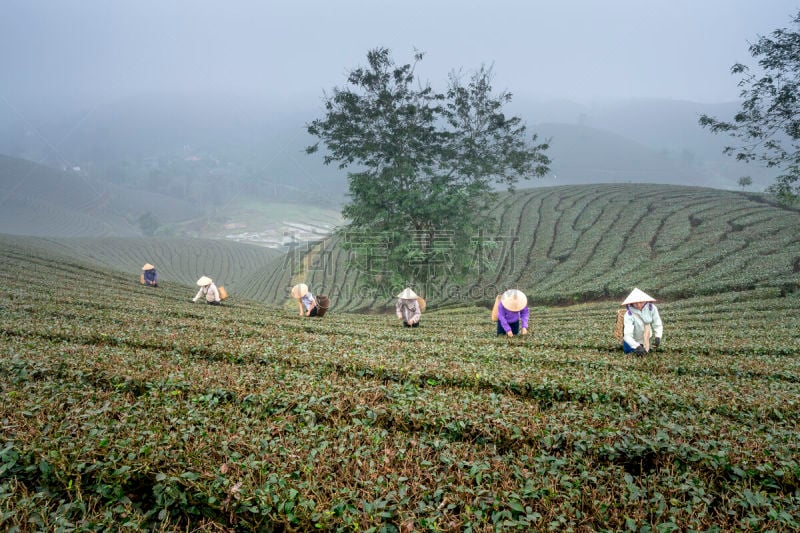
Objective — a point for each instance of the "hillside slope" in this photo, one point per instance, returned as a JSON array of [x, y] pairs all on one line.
[[177, 260], [130, 408], [582, 154], [572, 243], [42, 201], [153, 133]]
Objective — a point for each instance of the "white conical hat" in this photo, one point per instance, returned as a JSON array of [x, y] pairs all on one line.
[[637, 296], [148, 266], [299, 290], [203, 281], [514, 300], [408, 294]]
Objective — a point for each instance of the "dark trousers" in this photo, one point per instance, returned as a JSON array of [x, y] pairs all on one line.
[[626, 348], [214, 303], [313, 311], [513, 325], [406, 324]]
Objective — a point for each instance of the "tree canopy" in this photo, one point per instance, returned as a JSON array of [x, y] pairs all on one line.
[[768, 123], [424, 165]]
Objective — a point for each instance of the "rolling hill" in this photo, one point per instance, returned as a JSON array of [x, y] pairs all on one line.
[[654, 135], [130, 408], [42, 201], [573, 243], [559, 244], [178, 260], [259, 148], [582, 154]]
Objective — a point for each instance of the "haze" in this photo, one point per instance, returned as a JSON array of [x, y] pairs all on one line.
[[171, 95], [91, 51]]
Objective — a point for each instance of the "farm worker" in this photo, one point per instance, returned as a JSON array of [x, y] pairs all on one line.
[[641, 323], [305, 300], [208, 289], [512, 313], [409, 307], [149, 275]]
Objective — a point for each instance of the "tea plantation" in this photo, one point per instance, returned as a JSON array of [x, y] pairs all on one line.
[[572, 243], [177, 259], [129, 408]]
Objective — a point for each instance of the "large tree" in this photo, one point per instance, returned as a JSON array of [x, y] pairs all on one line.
[[768, 124], [424, 166]]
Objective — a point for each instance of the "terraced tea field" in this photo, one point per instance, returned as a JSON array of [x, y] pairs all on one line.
[[179, 260], [573, 243], [127, 408]]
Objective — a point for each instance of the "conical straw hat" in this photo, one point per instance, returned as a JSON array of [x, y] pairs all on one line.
[[148, 266], [637, 296], [407, 294], [205, 280], [514, 300], [299, 290]]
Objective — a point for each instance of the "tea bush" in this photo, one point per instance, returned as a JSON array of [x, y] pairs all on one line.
[[126, 407], [569, 244]]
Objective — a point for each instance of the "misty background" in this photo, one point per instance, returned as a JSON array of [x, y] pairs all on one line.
[[163, 109]]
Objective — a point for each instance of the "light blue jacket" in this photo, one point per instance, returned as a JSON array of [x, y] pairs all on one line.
[[308, 300], [633, 329]]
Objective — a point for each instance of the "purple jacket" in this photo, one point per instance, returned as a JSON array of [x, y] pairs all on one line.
[[507, 317]]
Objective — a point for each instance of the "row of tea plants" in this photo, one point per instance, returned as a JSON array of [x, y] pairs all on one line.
[[128, 408], [578, 242]]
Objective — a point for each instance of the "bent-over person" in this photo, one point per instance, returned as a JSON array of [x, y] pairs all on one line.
[[305, 300], [207, 289], [409, 308], [149, 275], [642, 326], [512, 313]]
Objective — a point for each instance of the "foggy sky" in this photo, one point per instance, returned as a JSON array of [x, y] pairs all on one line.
[[87, 52]]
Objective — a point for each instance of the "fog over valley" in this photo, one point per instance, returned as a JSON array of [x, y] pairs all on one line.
[[206, 105]]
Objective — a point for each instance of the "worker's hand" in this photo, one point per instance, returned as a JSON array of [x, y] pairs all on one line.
[[656, 342], [524, 331], [640, 350], [399, 316], [510, 333]]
